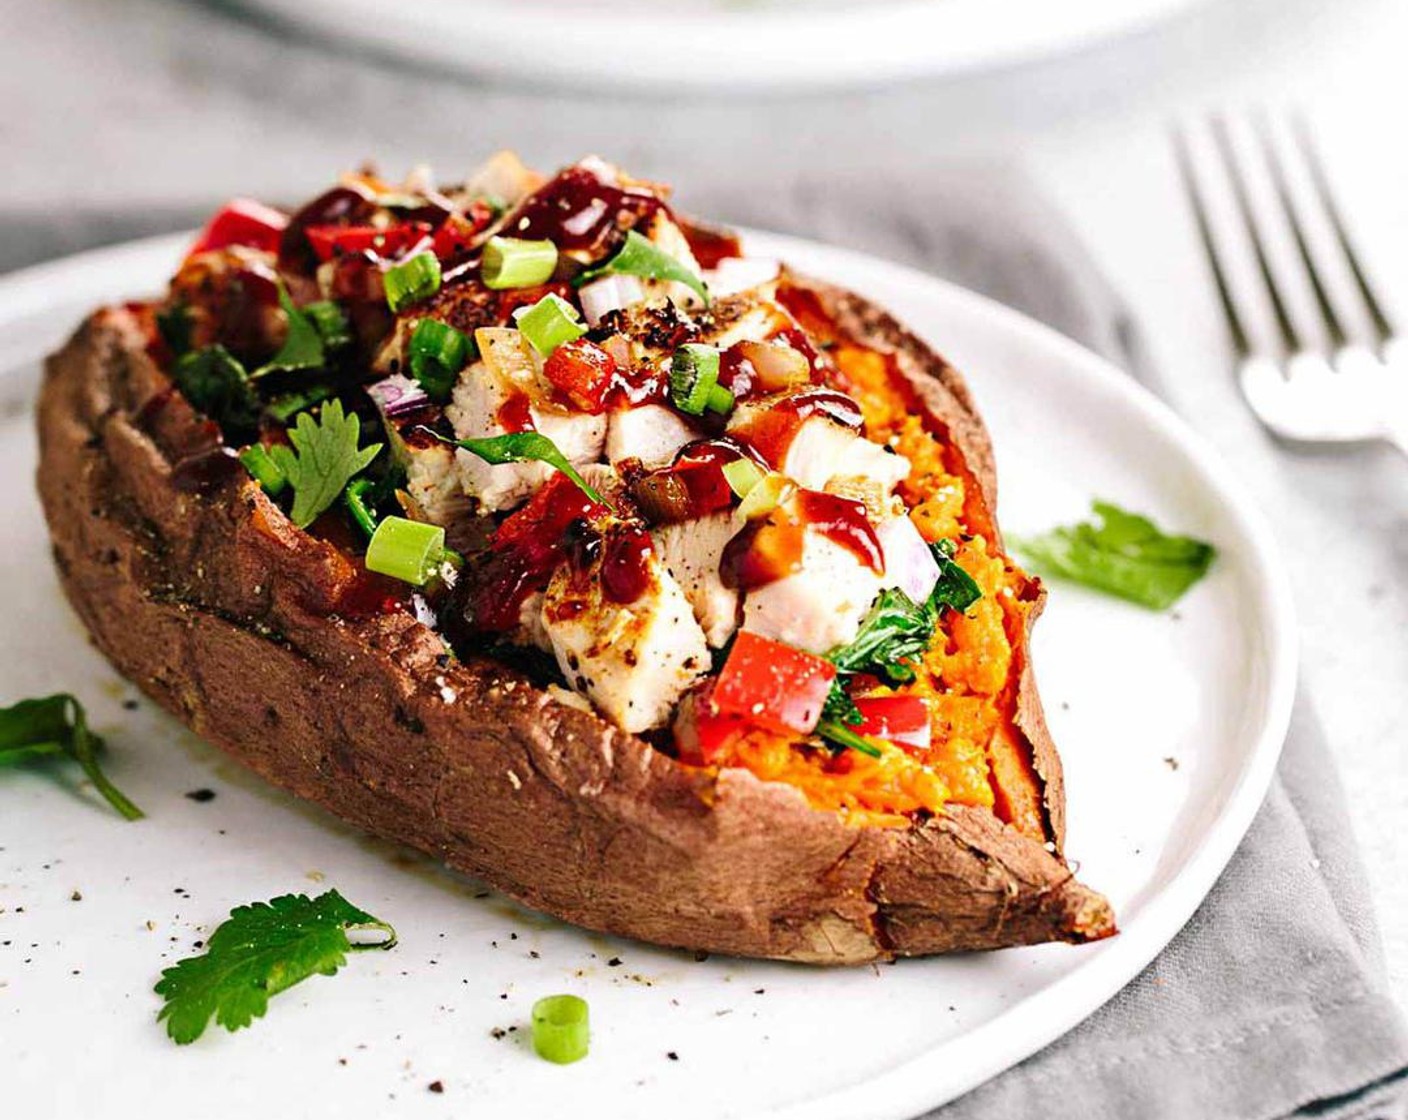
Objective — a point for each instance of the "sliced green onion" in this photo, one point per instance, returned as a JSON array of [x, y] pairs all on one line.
[[769, 493], [511, 263], [561, 1031], [640, 256], [355, 499], [720, 400], [260, 464], [549, 323], [331, 323], [742, 475], [438, 352], [412, 280], [834, 731], [694, 374], [406, 550]]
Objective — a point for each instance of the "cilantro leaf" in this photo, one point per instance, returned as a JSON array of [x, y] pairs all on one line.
[[257, 952], [955, 589], [524, 447], [896, 629], [53, 725], [323, 459], [894, 633], [1125, 555], [303, 344], [639, 256], [215, 383]]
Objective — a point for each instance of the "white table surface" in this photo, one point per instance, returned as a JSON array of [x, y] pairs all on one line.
[[114, 102]]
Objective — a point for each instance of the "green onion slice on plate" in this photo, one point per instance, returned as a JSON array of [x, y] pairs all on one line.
[[561, 1031]]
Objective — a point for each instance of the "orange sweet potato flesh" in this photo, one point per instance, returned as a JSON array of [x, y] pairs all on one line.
[[979, 678]]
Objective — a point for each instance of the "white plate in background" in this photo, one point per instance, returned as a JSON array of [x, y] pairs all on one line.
[[726, 46], [1208, 687]]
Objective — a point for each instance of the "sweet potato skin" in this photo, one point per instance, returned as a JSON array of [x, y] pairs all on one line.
[[218, 608]]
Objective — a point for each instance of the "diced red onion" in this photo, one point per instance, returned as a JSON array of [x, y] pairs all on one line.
[[909, 565], [397, 395], [608, 294]]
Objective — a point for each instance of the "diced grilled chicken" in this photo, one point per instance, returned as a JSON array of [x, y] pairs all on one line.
[[229, 296], [820, 451], [651, 433], [691, 551], [434, 484], [634, 661], [818, 607], [667, 236], [749, 316], [432, 480], [490, 391]]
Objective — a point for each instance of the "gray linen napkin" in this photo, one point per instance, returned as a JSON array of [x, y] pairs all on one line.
[[1271, 1002]]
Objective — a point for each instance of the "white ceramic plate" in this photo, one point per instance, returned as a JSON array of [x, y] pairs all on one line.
[[1208, 687], [721, 45]]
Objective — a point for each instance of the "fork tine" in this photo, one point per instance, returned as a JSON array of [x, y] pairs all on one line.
[[1235, 326], [1310, 151], [1222, 134], [1333, 325]]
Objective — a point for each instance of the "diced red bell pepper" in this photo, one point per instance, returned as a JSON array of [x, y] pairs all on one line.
[[457, 232], [903, 720], [242, 221], [773, 686], [703, 733], [582, 372], [389, 243]]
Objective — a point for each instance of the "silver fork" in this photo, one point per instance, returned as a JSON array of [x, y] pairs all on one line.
[[1342, 388]]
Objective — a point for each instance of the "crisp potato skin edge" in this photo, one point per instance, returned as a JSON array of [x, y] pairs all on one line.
[[217, 607]]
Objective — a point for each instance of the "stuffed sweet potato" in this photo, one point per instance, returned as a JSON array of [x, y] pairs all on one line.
[[676, 610]]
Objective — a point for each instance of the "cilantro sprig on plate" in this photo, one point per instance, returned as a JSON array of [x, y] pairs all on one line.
[[259, 951], [1123, 554], [57, 725]]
